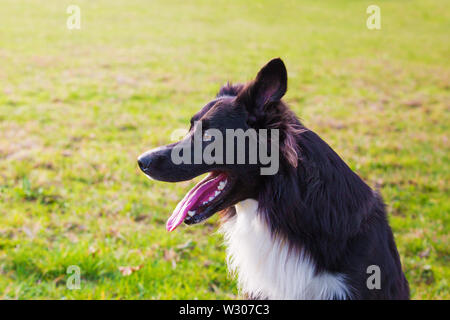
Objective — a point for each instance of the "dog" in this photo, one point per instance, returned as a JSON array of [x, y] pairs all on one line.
[[311, 230]]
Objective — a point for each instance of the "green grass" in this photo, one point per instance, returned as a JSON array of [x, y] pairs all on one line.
[[77, 108]]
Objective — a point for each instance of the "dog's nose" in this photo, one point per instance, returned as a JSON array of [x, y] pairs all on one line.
[[141, 164], [144, 161], [149, 161]]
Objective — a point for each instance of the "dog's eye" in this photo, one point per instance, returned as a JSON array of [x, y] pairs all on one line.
[[207, 137]]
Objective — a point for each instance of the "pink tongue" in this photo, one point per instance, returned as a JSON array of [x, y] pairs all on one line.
[[196, 196]]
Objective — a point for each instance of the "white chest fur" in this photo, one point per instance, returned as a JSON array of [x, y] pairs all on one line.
[[264, 265]]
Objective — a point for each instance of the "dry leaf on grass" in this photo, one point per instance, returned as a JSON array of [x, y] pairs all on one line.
[[171, 255], [128, 270], [93, 251], [188, 245], [59, 279], [425, 253]]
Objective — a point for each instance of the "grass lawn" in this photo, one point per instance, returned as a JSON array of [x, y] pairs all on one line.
[[78, 106]]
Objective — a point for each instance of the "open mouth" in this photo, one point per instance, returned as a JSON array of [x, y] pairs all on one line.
[[201, 201]]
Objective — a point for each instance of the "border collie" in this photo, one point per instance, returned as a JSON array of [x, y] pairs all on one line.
[[312, 230]]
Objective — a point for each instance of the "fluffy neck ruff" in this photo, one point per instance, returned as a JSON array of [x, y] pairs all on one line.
[[267, 266]]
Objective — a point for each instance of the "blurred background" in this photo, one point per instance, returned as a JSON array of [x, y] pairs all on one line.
[[77, 106]]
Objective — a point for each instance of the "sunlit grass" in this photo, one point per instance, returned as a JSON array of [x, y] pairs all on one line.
[[77, 107]]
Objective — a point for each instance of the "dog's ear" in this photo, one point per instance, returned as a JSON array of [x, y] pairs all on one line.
[[270, 85]]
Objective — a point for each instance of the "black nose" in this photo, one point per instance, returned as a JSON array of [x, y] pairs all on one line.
[[150, 161], [141, 164], [144, 162]]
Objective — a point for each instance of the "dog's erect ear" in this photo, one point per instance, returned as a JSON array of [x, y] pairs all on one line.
[[270, 84]]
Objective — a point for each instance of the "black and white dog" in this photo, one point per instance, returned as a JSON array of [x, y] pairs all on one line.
[[311, 230]]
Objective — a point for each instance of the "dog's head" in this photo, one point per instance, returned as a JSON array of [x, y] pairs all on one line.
[[225, 140]]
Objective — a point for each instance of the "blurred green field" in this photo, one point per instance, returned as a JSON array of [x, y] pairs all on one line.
[[78, 106]]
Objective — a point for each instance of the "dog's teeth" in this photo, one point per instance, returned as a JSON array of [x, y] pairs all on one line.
[[217, 193], [211, 198], [191, 213], [222, 185], [205, 202]]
